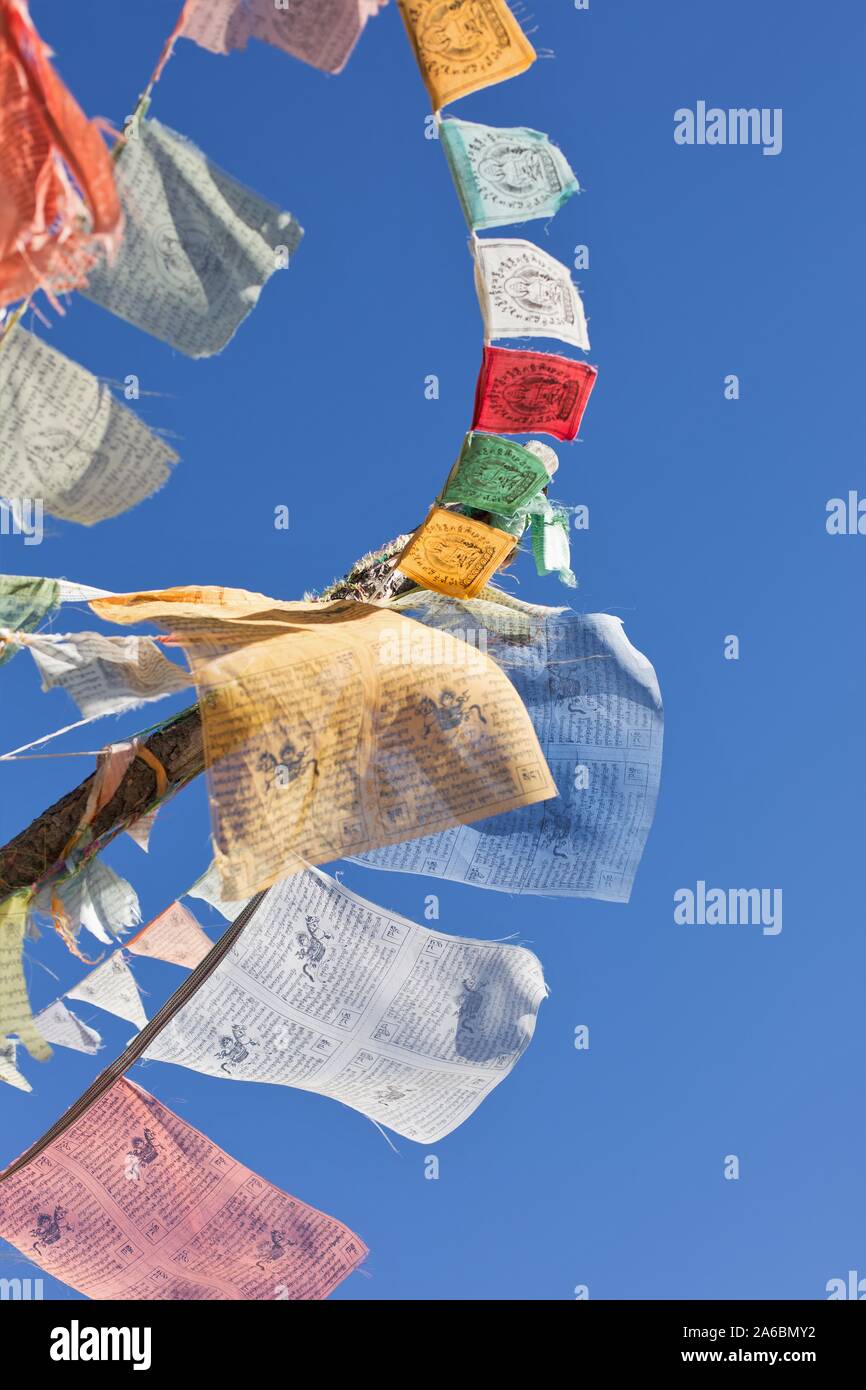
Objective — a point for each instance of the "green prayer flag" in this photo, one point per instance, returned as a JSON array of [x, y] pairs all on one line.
[[24, 602], [494, 474]]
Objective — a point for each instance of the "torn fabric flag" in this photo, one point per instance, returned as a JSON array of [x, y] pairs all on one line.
[[94, 897], [521, 392], [106, 675], [505, 175], [58, 203], [551, 545], [525, 293], [198, 246], [464, 45], [66, 440]]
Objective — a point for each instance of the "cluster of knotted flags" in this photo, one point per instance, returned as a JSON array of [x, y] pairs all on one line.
[[453, 731]]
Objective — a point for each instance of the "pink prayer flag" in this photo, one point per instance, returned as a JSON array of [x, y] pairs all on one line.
[[321, 32], [131, 1203], [175, 936]]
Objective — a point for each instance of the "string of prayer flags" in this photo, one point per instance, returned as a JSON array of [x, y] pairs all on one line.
[[198, 246], [60, 1026], [495, 475], [111, 986], [520, 392], [322, 34], [525, 293], [454, 554], [464, 45], [322, 739], [130, 1203], [94, 897], [174, 936], [505, 175], [24, 603], [59, 201], [106, 675], [326, 991], [15, 1013], [66, 440], [596, 706], [8, 1066], [79, 593], [25, 600]]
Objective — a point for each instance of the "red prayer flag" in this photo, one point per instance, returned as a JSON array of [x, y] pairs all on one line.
[[58, 200], [531, 392]]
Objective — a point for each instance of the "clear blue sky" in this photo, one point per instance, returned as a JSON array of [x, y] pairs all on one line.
[[602, 1167]]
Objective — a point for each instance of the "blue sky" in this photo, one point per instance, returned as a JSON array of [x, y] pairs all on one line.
[[707, 518]]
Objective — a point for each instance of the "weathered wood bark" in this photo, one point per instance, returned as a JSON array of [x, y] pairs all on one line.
[[36, 851]]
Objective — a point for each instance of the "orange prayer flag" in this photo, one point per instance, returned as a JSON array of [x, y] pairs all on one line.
[[464, 46], [455, 554], [174, 936], [58, 202]]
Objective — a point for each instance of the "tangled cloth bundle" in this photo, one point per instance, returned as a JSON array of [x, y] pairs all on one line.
[[58, 202]]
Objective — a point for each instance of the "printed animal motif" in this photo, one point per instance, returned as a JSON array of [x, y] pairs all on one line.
[[469, 1006], [310, 946], [449, 713], [50, 1228], [234, 1049], [272, 1249]]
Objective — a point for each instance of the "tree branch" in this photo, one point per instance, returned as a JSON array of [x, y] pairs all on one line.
[[38, 850]]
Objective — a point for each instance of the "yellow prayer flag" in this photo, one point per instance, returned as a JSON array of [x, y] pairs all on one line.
[[15, 1013], [464, 45]]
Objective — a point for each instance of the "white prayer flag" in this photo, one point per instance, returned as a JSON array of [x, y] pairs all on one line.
[[95, 898], [525, 293], [65, 440], [106, 675], [111, 986], [141, 829], [8, 1067], [59, 1025], [197, 246], [328, 992], [208, 889]]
